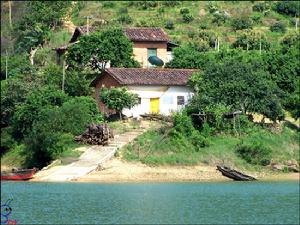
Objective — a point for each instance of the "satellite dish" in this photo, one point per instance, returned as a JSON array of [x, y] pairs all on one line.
[[154, 60]]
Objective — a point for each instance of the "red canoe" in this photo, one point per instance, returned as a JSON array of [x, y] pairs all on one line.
[[22, 174]]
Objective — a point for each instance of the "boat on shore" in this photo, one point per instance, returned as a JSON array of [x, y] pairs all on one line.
[[18, 174], [233, 174]]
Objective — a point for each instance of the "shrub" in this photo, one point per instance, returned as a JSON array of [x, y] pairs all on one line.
[[125, 19], [203, 25], [184, 11], [183, 128], [241, 23], [28, 112], [290, 8], [199, 45], [260, 7], [52, 132], [212, 8], [251, 41], [78, 112], [254, 153], [187, 18], [123, 11], [142, 4], [208, 36], [169, 25], [278, 27], [256, 18], [7, 142], [170, 3], [108, 4], [219, 18]]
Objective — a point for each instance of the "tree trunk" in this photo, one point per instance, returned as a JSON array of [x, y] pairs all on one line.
[[31, 55], [120, 114]]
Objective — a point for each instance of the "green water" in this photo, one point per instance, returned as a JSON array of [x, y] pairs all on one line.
[[168, 203]]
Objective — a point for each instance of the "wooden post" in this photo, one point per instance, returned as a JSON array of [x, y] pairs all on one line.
[[88, 24], [6, 66], [260, 44], [218, 44], [9, 14], [63, 78]]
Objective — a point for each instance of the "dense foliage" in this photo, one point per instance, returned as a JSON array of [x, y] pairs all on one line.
[[40, 18], [98, 49], [239, 85], [118, 99]]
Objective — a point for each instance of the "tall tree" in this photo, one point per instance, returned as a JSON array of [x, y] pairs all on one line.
[[98, 49]]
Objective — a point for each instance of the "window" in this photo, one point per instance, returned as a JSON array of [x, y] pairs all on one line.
[[180, 100], [139, 101], [151, 52]]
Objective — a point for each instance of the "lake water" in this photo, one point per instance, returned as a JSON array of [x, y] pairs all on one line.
[[196, 203]]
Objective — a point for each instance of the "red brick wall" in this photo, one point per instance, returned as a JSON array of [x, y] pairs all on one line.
[[105, 81]]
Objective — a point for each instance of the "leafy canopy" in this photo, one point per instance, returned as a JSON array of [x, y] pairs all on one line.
[[97, 49], [118, 98], [239, 85]]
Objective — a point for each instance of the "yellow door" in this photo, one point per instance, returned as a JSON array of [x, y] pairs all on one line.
[[154, 105]]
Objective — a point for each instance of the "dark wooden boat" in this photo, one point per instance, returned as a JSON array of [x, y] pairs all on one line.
[[233, 174], [19, 174]]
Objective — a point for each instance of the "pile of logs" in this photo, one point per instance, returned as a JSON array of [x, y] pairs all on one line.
[[96, 135]]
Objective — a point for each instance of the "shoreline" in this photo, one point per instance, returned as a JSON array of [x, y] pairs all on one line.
[[119, 171]]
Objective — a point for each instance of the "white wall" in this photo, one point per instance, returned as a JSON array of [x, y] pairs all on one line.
[[167, 98]]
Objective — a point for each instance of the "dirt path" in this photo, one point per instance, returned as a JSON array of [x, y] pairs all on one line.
[[88, 161]]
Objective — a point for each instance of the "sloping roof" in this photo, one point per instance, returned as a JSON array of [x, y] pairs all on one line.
[[146, 34], [153, 76], [81, 30]]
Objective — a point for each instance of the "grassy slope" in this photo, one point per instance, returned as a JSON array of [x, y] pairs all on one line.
[[155, 148], [152, 17]]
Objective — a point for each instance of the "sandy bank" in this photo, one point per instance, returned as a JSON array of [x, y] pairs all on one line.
[[117, 170]]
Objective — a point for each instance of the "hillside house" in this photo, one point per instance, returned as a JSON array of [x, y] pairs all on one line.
[[160, 91], [146, 42]]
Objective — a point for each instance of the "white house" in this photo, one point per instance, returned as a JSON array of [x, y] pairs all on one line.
[[160, 91]]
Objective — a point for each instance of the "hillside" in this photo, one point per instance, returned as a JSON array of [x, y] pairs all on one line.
[[247, 54], [162, 14], [182, 20]]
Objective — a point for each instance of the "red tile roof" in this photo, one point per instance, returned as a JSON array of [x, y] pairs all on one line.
[[134, 34], [153, 76], [146, 34]]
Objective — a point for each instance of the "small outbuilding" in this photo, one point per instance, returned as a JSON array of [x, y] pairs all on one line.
[[160, 91]]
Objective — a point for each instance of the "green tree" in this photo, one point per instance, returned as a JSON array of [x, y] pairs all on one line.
[[28, 112], [39, 19], [118, 99], [251, 41], [190, 58], [240, 85], [242, 23], [97, 49], [54, 127]]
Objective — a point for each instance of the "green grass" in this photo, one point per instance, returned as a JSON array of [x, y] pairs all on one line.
[[156, 148], [199, 10], [120, 127], [15, 157]]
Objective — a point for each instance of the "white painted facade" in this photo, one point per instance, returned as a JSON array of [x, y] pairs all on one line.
[[167, 99]]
